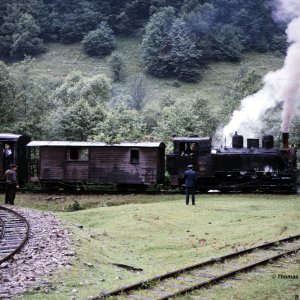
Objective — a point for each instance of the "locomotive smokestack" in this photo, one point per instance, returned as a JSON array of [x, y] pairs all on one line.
[[285, 139]]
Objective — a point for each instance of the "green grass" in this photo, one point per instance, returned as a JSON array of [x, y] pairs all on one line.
[[160, 233], [61, 59]]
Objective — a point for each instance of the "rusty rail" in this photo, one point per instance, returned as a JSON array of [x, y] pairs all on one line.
[[14, 233], [201, 277]]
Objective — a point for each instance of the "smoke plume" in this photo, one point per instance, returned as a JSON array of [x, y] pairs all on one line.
[[280, 86]]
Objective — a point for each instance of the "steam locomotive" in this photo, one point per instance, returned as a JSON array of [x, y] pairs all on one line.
[[136, 166], [237, 168]]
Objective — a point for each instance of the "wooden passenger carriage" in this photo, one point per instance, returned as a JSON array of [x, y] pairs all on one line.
[[19, 155], [92, 163]]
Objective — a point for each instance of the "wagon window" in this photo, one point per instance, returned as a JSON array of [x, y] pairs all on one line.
[[134, 156], [76, 153]]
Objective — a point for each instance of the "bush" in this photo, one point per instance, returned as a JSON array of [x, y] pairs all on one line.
[[74, 206], [116, 64], [99, 42], [226, 43]]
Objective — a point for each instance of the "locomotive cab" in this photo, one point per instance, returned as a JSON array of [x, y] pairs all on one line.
[[186, 151]]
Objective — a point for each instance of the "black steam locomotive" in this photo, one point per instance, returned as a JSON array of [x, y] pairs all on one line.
[[237, 168], [136, 166]]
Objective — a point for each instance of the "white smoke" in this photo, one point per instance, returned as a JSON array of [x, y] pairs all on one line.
[[280, 86]]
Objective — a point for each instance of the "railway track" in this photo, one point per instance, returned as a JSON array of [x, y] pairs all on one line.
[[14, 232], [183, 281]]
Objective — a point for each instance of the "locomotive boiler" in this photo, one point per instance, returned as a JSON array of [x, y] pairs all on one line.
[[253, 167]]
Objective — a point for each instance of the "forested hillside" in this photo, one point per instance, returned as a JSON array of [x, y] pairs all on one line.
[[133, 49]]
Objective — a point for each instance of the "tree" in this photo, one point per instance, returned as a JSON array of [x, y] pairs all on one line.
[[247, 82], [169, 47], [185, 119], [79, 106], [20, 30], [295, 132], [138, 91], [30, 100], [260, 32], [94, 90], [226, 43], [25, 40], [200, 19], [121, 124], [69, 21], [156, 44], [99, 42], [116, 65], [70, 31], [7, 97], [184, 54], [271, 123], [151, 115], [77, 122], [123, 23]]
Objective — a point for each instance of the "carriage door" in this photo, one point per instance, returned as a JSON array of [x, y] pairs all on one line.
[[1, 159], [7, 156]]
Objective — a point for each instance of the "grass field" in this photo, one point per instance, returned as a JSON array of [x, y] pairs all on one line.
[[159, 233]]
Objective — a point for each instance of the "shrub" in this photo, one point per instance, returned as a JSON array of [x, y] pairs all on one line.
[[99, 42], [74, 206], [116, 64]]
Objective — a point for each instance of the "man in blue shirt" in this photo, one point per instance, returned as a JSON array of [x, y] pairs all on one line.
[[190, 181]]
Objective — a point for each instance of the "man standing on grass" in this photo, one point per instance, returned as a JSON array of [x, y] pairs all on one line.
[[10, 176], [190, 181]]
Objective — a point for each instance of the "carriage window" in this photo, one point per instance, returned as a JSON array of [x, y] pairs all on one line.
[[76, 153], [134, 156]]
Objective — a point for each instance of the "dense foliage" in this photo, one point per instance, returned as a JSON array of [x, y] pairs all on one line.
[[177, 39], [202, 26], [99, 42]]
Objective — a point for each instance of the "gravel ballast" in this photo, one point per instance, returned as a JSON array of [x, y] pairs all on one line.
[[47, 250]]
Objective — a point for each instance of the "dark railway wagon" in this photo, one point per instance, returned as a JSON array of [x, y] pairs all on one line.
[[236, 168], [14, 150], [127, 165]]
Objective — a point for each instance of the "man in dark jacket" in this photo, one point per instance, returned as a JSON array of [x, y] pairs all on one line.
[[190, 181], [11, 184]]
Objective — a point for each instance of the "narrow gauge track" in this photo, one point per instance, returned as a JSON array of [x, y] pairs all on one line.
[[193, 277], [14, 232]]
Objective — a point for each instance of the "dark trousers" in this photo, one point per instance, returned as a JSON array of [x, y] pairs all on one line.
[[190, 191], [10, 193]]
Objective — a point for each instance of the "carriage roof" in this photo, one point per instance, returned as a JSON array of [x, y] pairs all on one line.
[[94, 144]]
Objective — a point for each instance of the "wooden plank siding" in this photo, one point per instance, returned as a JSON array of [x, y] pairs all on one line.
[[77, 172], [106, 165], [112, 165], [52, 163]]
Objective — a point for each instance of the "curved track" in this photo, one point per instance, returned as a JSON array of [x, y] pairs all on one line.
[[14, 232], [185, 280]]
